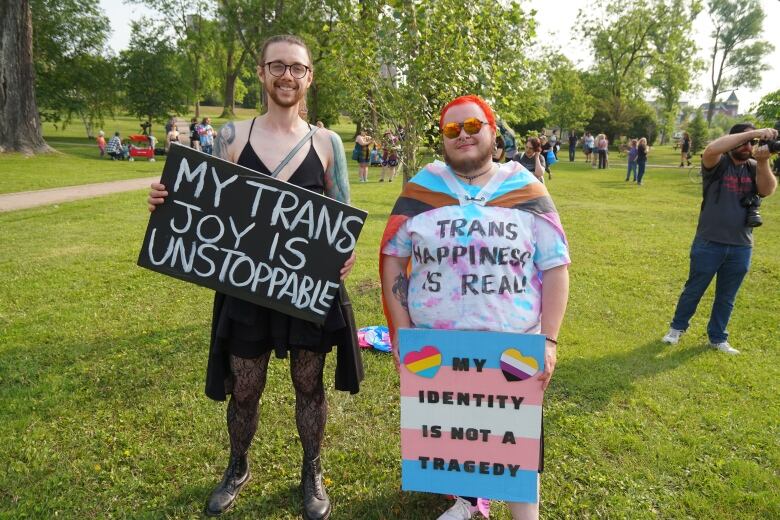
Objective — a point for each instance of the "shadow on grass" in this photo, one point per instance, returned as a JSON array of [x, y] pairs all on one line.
[[591, 383]]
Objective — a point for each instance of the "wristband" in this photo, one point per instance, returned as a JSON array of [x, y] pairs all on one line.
[[554, 342]]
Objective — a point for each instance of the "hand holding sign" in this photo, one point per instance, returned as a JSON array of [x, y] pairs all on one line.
[[248, 235], [156, 195]]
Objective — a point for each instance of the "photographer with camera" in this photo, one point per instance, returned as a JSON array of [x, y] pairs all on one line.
[[736, 175]]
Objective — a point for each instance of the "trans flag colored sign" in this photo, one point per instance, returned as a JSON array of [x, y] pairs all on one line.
[[471, 413]]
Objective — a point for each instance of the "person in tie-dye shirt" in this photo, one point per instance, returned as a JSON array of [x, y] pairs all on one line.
[[483, 248]]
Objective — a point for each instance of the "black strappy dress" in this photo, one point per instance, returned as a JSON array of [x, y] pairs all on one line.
[[247, 330]]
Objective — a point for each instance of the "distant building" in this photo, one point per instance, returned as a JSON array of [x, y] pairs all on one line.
[[730, 107]]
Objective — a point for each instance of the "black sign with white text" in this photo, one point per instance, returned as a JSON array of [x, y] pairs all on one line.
[[248, 235]]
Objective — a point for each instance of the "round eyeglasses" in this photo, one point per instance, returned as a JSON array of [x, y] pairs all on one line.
[[277, 69]]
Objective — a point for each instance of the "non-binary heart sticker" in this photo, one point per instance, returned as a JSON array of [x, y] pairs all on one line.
[[424, 362], [517, 367]]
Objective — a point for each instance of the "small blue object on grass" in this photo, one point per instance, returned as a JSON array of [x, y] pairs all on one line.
[[375, 336]]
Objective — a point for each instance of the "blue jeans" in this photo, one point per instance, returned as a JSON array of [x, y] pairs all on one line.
[[631, 167], [207, 148], [708, 259], [641, 172]]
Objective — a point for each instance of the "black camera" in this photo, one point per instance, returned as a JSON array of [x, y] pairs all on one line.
[[752, 203], [774, 146]]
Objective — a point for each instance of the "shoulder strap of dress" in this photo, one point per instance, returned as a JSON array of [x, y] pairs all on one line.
[[249, 136], [312, 130]]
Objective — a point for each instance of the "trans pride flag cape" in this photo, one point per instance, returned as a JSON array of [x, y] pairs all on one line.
[[427, 191]]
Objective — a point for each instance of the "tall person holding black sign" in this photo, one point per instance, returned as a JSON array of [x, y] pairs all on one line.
[[244, 334]]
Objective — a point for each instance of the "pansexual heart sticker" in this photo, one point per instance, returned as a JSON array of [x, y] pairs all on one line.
[[517, 367], [424, 362]]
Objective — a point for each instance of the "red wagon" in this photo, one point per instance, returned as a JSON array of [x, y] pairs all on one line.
[[141, 146]]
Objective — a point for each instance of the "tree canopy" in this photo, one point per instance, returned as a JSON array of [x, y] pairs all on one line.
[[737, 55]]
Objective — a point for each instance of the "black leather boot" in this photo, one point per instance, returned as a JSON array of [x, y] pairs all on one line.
[[316, 504], [223, 496]]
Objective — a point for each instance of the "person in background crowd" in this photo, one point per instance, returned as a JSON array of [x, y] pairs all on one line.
[[206, 133], [548, 153], [468, 132], [171, 137], [498, 150], [555, 143], [363, 141], [602, 145], [194, 136], [532, 158], [510, 140], [114, 148], [101, 143], [389, 156], [685, 149], [736, 175], [631, 155], [170, 124], [642, 150], [588, 145], [572, 145]]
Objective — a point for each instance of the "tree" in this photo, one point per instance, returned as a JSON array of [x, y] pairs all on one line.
[[426, 53], [151, 76], [74, 76], [20, 124], [737, 57], [639, 48], [768, 108], [571, 106], [675, 66], [697, 129], [189, 23]]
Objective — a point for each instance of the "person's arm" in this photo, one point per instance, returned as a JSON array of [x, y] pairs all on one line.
[[538, 166], [766, 183], [395, 289], [711, 156], [555, 296], [337, 186]]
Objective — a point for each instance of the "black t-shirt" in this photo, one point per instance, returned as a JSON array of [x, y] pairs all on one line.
[[529, 162], [722, 217]]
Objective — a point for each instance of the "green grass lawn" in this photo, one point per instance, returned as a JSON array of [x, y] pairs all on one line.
[[77, 160], [102, 373]]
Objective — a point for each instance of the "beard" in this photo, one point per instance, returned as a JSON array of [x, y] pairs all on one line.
[[740, 156], [469, 165], [300, 93]]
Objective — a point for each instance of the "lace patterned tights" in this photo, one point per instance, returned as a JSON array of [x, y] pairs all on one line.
[[311, 407]]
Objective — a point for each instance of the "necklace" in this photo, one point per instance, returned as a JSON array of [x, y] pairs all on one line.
[[471, 178]]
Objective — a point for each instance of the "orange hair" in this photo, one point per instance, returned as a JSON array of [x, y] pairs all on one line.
[[471, 98]]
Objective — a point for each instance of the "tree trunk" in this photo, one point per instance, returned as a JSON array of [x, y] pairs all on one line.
[[20, 123], [229, 106], [711, 108]]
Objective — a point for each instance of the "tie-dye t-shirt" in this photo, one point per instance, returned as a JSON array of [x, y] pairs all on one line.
[[477, 267]]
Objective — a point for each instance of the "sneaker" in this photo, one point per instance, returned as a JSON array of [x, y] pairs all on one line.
[[724, 347], [673, 336], [460, 510]]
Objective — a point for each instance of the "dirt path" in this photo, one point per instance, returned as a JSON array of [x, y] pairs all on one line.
[[31, 199]]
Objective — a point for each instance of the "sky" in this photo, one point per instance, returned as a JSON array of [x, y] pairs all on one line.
[[555, 22]]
